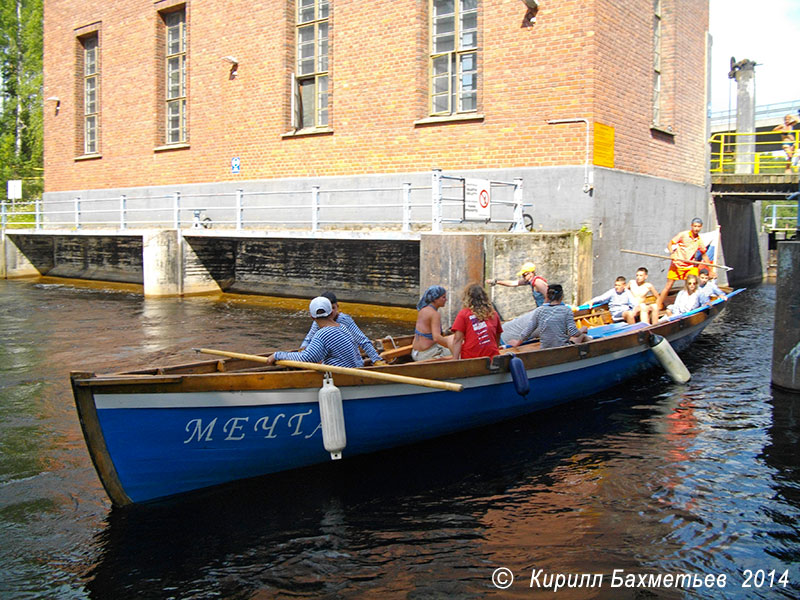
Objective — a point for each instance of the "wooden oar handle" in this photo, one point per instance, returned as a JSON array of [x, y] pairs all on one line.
[[369, 374]]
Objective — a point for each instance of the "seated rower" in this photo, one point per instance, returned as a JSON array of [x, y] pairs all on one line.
[[686, 299], [621, 302], [332, 344], [477, 327], [640, 288], [346, 321], [555, 323], [707, 288], [428, 339], [512, 330]]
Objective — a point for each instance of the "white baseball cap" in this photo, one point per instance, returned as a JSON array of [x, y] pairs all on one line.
[[320, 307]]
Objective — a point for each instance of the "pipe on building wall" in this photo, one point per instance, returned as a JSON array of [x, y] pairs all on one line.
[[587, 186]]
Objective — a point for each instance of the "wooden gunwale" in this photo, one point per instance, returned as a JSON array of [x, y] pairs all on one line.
[[230, 380]]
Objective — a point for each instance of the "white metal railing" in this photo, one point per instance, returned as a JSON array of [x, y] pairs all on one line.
[[403, 207], [787, 221]]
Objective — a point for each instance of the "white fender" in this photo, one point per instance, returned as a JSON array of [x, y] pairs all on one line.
[[669, 359], [331, 415]]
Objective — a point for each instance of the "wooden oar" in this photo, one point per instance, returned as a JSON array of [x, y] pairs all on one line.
[[395, 352], [431, 383], [686, 260]]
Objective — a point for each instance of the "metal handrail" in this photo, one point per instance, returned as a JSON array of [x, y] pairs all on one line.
[[312, 208], [757, 153], [786, 222]]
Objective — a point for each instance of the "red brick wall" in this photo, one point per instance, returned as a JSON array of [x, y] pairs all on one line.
[[624, 66], [583, 58]]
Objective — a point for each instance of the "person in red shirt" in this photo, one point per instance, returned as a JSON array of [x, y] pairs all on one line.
[[477, 326], [683, 247]]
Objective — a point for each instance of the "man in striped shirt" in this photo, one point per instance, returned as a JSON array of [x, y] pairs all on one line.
[[332, 344], [555, 323], [346, 321]]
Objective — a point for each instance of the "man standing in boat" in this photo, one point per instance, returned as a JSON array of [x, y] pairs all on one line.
[[527, 276], [332, 344], [683, 247]]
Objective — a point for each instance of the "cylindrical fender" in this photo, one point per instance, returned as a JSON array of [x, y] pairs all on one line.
[[331, 415], [518, 375], [669, 359]]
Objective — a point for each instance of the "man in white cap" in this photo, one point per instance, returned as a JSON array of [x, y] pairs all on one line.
[[346, 321], [332, 344], [527, 276]]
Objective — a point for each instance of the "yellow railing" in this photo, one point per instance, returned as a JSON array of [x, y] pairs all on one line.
[[760, 152]]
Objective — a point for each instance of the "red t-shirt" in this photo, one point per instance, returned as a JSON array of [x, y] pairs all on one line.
[[480, 337]]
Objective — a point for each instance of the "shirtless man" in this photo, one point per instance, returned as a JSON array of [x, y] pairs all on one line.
[[428, 339], [683, 247], [641, 288], [788, 139]]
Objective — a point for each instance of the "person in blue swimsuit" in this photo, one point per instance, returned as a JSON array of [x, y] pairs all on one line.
[[429, 342]]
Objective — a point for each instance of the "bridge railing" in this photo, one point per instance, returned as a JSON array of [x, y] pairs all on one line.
[[758, 153]]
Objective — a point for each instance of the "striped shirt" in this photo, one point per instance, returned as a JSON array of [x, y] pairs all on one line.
[[329, 346], [556, 325], [359, 338]]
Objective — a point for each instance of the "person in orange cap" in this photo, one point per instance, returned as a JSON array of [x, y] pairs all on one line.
[[527, 276]]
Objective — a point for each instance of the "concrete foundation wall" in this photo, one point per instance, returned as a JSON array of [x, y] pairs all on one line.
[[389, 272]]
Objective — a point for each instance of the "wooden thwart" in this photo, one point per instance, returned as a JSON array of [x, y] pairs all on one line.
[[431, 383]]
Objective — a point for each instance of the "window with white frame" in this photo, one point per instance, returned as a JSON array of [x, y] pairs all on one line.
[[454, 57], [175, 76], [310, 94], [91, 91]]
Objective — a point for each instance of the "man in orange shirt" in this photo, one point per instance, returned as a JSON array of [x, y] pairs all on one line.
[[682, 247]]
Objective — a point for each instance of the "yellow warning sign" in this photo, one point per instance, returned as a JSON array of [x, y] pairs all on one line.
[[603, 145]]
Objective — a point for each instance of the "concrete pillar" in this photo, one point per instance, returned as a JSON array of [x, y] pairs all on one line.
[[162, 263], [451, 260], [196, 277], [14, 262], [745, 75], [786, 334]]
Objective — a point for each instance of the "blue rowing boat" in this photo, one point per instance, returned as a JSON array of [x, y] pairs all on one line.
[[166, 431]]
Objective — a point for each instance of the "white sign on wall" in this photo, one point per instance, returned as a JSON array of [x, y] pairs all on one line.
[[14, 189], [477, 199]]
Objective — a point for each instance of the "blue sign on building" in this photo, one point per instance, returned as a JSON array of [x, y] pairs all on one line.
[[236, 164]]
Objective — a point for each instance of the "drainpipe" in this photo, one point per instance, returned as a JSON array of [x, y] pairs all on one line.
[[587, 187]]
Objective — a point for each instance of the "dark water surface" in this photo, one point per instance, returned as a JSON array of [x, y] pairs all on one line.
[[654, 479]]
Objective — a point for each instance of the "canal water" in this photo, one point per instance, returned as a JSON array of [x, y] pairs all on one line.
[[617, 495]]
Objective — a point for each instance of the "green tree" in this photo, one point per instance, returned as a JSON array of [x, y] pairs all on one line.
[[21, 146]]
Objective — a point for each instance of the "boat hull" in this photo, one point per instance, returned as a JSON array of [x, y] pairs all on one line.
[[153, 437]]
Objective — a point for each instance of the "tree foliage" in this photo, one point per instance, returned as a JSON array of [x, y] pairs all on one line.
[[21, 146]]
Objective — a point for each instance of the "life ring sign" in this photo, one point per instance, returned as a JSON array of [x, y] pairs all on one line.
[[477, 200]]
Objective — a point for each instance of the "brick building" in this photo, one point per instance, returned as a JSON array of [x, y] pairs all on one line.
[[599, 106]]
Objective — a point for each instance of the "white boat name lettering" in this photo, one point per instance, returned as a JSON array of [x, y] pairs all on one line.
[[234, 428]]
